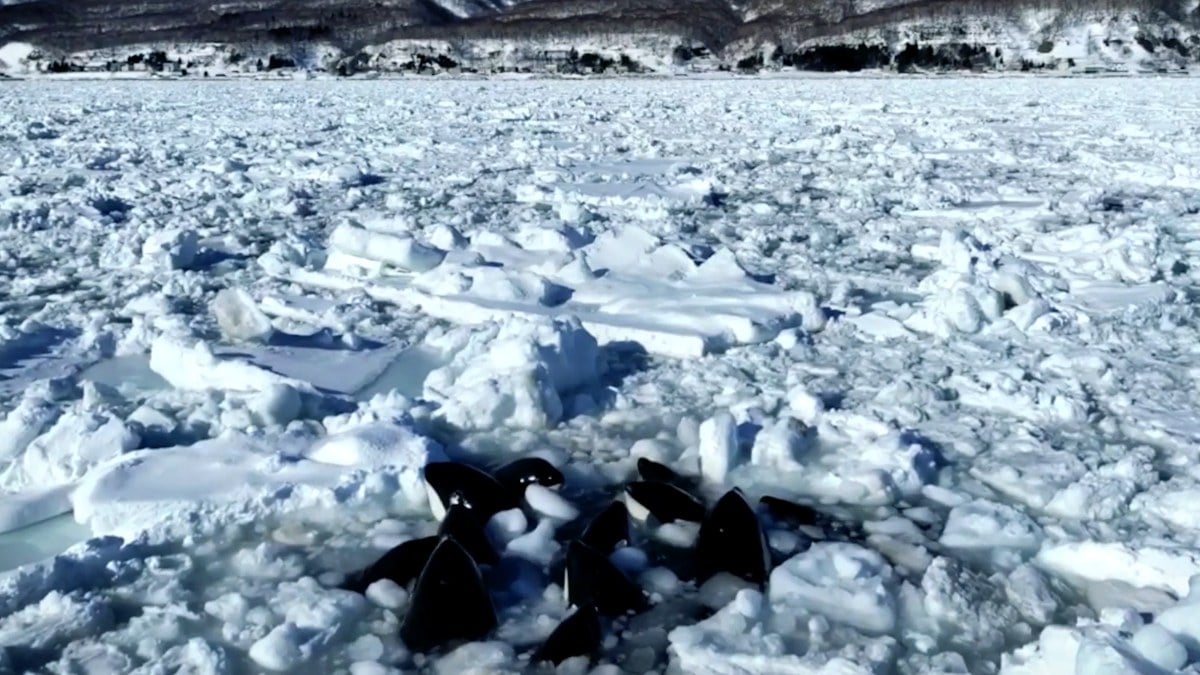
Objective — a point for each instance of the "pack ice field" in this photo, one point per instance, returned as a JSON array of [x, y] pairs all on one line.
[[833, 375]]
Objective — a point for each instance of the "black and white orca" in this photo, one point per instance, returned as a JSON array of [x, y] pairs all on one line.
[[666, 502], [461, 524], [789, 512], [480, 492], [404, 562], [520, 474], [813, 522], [592, 580], [651, 470], [731, 540], [401, 564], [609, 529], [577, 635], [450, 602]]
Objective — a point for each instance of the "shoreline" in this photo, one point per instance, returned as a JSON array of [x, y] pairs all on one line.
[[308, 76]]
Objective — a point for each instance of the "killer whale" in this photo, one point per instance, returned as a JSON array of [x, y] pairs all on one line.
[[461, 524], [450, 602], [404, 562], [609, 529], [651, 470], [521, 473], [577, 635], [666, 502], [788, 511], [401, 564], [591, 579], [480, 492], [731, 540]]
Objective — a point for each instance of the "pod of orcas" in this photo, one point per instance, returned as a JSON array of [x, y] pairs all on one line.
[[450, 602]]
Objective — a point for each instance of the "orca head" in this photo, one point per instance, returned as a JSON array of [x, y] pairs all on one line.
[[592, 580], [609, 529], [651, 470], [521, 473], [483, 494], [579, 634], [401, 564], [787, 511], [666, 502], [731, 540], [464, 527], [450, 602]]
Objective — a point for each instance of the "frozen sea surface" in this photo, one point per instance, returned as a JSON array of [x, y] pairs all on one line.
[[236, 319]]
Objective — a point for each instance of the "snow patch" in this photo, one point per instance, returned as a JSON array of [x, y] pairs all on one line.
[[845, 583], [513, 374]]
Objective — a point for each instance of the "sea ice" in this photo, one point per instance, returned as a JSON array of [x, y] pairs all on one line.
[[514, 374], [239, 317], [170, 249], [396, 249], [718, 447], [954, 315], [843, 582], [549, 503], [985, 525]]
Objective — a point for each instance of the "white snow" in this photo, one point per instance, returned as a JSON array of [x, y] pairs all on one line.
[[997, 528], [195, 367], [1166, 569], [718, 447], [376, 445], [512, 374], [549, 503], [740, 638], [349, 243], [955, 314], [506, 526], [144, 488], [387, 593], [239, 317], [1158, 646], [14, 55], [170, 249], [844, 582], [780, 446], [536, 545]]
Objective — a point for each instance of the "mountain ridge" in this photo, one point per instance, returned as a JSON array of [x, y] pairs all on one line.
[[351, 35]]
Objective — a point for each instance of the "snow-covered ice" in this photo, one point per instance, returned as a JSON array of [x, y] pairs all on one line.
[[955, 316]]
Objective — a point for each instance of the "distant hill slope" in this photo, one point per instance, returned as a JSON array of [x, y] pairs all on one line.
[[354, 35]]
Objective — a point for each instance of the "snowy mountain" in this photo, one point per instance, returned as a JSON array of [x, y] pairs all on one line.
[[534, 35]]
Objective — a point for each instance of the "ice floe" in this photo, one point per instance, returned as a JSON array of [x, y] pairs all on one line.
[[954, 331]]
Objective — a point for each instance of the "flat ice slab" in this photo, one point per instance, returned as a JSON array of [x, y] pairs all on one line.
[[624, 286]]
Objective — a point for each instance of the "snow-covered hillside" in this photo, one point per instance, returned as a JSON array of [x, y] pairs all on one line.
[[954, 317], [600, 36]]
